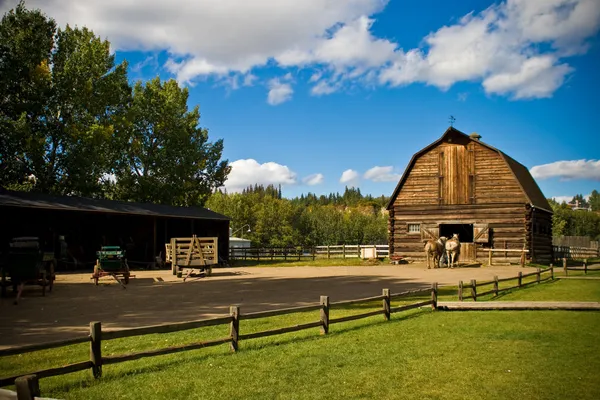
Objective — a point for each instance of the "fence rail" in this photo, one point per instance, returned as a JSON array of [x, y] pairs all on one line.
[[572, 252], [97, 336], [473, 285]]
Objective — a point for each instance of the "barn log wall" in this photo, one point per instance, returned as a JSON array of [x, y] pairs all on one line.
[[461, 181]]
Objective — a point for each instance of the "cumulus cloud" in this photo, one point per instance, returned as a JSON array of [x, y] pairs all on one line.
[[516, 48], [381, 174], [568, 170], [349, 176], [314, 179], [279, 92], [249, 172]]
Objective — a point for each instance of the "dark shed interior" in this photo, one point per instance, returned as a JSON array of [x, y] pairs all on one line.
[[87, 224]]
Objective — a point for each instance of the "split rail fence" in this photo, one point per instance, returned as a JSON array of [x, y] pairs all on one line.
[[574, 253], [98, 336], [473, 285]]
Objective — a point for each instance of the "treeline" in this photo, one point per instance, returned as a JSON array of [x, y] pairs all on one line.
[[303, 221], [72, 124], [569, 222]]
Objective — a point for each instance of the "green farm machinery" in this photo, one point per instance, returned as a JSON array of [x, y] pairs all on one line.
[[112, 262]]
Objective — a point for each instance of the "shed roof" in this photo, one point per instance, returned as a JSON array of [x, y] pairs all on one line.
[[530, 188], [84, 204]]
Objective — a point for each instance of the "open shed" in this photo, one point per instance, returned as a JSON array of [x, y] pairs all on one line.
[[458, 184], [87, 224]]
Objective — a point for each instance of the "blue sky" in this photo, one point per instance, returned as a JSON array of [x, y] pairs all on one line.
[[322, 94]]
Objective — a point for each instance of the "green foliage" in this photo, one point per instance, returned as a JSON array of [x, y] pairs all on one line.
[[68, 117], [166, 158], [73, 94], [595, 200], [568, 222], [303, 221]]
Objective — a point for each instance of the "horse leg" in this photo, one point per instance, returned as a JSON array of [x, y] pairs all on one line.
[[428, 266], [451, 259]]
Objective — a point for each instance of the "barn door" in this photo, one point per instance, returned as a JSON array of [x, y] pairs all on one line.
[[431, 232], [481, 233]]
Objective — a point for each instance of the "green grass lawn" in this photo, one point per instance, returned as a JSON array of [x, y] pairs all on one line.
[[557, 290], [418, 355]]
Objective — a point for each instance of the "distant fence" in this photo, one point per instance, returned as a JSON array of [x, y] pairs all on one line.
[[576, 241], [97, 335], [312, 253], [573, 252], [353, 251]]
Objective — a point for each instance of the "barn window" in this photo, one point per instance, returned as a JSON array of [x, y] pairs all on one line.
[[414, 228]]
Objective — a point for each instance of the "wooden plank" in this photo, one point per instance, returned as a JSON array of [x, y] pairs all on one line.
[[281, 311], [43, 346], [411, 306], [356, 301], [280, 331], [408, 293], [165, 328], [46, 373], [355, 317], [169, 350], [519, 305]]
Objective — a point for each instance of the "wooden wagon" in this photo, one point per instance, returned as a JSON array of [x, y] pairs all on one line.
[[111, 262], [193, 254], [24, 264]]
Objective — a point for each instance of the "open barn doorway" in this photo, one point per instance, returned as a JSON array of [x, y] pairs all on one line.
[[465, 231]]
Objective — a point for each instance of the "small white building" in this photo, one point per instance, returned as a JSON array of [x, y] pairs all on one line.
[[236, 245]]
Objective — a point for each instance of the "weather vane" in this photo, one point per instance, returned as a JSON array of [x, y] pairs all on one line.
[[452, 119]]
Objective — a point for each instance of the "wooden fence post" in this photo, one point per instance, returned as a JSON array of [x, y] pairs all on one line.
[[324, 315], [96, 348], [565, 266], [344, 251], [522, 260], [585, 266], [434, 295], [496, 285], [234, 326], [386, 304], [358, 246], [490, 258], [314, 253], [520, 281], [460, 290], [328, 252], [28, 387], [552, 271], [474, 289], [538, 276]]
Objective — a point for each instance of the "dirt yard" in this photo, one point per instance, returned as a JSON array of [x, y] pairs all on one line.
[[155, 297]]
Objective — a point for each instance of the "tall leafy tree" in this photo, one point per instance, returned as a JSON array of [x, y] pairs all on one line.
[[167, 157], [60, 106]]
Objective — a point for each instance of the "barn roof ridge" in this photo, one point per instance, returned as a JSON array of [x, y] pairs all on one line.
[[11, 198], [530, 188]]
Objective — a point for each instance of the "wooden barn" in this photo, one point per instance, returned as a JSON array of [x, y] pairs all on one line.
[[458, 184]]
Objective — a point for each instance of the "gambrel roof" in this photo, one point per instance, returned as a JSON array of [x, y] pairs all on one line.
[[530, 188]]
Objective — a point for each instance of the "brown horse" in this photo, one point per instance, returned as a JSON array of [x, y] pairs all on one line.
[[434, 250], [452, 249]]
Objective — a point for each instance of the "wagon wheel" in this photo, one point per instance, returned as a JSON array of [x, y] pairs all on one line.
[[208, 270], [96, 273]]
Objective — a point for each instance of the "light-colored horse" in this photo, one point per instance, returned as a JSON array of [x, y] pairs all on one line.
[[434, 250], [452, 249]]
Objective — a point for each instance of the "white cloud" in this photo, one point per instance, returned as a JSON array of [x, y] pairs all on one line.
[[516, 48], [568, 170], [349, 176], [249, 172], [279, 92], [249, 79], [381, 174], [561, 199], [314, 179], [501, 47]]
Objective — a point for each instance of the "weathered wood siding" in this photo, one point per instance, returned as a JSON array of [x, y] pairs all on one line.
[[507, 224], [461, 181]]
